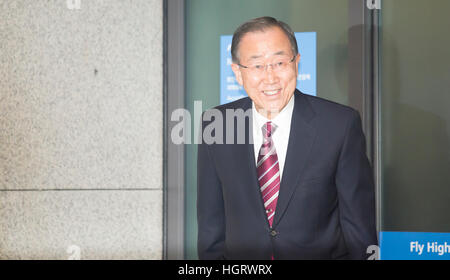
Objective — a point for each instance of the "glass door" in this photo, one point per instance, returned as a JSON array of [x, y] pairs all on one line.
[[207, 20], [397, 76], [414, 127]]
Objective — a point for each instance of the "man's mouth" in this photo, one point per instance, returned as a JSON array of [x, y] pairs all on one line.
[[271, 92]]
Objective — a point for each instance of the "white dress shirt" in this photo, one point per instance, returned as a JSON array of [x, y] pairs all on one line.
[[280, 136]]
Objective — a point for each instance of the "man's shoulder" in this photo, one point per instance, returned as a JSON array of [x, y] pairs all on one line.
[[240, 109], [321, 103], [242, 103], [327, 108]]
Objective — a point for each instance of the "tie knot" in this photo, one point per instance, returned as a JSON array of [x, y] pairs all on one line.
[[268, 129]]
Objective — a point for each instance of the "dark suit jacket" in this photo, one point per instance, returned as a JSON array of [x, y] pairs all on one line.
[[326, 204]]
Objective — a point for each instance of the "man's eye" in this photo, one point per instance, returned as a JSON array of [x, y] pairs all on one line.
[[258, 66], [280, 64]]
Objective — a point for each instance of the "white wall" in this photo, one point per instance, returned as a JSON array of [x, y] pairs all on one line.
[[81, 129]]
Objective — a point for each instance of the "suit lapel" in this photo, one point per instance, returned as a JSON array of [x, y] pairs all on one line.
[[245, 154], [258, 202], [301, 138]]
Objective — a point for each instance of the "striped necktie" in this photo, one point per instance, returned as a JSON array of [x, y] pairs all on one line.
[[268, 171]]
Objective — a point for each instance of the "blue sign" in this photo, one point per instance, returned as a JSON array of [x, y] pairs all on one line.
[[396, 245], [230, 89]]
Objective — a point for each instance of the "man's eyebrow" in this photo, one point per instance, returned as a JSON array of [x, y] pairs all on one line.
[[279, 53], [255, 56], [259, 56]]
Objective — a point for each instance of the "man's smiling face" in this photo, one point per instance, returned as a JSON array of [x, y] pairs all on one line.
[[270, 89]]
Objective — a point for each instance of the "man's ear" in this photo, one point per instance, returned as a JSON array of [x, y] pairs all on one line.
[[297, 61], [237, 72], [297, 58]]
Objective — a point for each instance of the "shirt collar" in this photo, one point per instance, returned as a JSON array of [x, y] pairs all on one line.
[[282, 120]]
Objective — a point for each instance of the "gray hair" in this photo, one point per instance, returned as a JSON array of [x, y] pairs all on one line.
[[260, 24]]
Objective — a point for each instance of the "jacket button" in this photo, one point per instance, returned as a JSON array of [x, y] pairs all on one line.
[[273, 233]]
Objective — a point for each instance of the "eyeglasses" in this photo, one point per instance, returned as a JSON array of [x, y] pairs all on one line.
[[278, 66]]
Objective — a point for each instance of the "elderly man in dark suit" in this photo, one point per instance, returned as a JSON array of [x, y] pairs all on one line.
[[300, 186]]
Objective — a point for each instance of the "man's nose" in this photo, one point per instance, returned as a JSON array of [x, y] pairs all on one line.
[[270, 75]]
